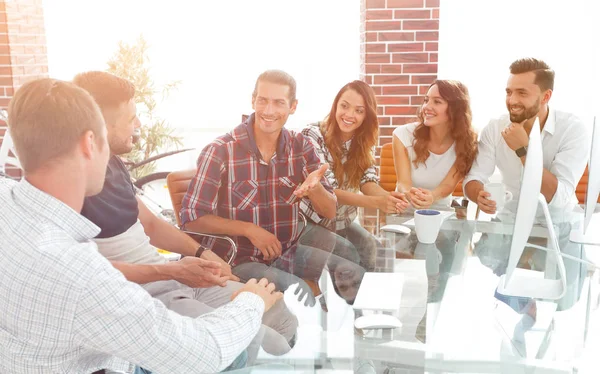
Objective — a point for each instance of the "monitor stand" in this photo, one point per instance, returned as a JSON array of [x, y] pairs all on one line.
[[533, 284], [530, 335], [591, 236]]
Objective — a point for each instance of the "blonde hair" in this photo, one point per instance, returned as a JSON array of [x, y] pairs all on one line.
[[47, 117]]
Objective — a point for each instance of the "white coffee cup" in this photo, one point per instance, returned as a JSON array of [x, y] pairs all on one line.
[[498, 193], [427, 225]]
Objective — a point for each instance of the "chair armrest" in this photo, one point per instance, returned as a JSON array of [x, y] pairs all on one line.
[[222, 237], [304, 221], [232, 243]]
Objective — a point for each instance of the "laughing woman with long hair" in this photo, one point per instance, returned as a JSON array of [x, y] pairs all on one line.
[[346, 139], [432, 155]]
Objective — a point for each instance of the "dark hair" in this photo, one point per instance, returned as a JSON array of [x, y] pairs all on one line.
[[544, 76], [459, 116], [48, 118], [107, 89], [360, 156], [277, 77]]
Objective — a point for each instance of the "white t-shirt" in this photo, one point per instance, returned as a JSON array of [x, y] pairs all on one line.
[[132, 246], [430, 175]]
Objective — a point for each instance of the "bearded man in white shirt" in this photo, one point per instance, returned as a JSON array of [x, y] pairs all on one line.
[[504, 141]]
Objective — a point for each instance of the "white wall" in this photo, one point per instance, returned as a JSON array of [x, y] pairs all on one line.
[[216, 48], [479, 39]]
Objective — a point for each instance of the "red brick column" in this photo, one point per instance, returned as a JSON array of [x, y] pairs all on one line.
[[22, 47], [399, 54]]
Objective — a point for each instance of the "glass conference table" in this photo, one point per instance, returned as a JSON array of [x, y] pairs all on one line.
[[453, 320]]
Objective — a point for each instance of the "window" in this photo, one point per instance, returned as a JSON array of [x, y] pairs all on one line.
[[479, 40], [216, 49]]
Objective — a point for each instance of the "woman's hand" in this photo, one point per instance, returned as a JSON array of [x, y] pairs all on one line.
[[420, 198], [394, 202]]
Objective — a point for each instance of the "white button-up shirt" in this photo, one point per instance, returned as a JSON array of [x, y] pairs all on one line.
[[565, 144], [65, 309]]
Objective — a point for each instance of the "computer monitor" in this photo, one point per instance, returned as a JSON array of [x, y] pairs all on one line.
[[585, 234], [524, 282]]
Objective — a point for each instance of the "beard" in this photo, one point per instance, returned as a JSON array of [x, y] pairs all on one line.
[[119, 147], [527, 113]]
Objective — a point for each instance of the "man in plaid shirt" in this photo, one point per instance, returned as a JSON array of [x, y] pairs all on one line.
[[252, 184]]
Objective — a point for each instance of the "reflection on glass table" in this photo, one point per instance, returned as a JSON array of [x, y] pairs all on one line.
[[586, 234], [453, 319], [469, 324]]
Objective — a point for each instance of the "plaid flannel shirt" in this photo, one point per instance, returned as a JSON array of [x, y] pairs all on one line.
[[234, 182], [345, 213]]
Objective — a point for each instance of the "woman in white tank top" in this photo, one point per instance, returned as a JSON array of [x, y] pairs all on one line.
[[432, 155]]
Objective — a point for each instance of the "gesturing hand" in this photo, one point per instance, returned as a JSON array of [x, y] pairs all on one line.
[[302, 290], [197, 273], [311, 182], [264, 289]]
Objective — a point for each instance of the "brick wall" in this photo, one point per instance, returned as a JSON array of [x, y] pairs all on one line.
[[399, 54], [22, 47], [399, 59]]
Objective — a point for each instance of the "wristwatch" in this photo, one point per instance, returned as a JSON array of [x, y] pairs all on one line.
[[200, 251], [521, 151]]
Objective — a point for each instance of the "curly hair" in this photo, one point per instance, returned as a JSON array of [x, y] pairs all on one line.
[[360, 156], [459, 115]]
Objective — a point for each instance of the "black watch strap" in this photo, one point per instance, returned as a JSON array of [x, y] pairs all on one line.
[[521, 151], [200, 251]]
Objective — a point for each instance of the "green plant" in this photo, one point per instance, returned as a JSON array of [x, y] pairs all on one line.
[[131, 62]]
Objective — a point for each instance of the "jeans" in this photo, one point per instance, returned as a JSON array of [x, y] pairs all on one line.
[[353, 243], [238, 363], [313, 255], [308, 264], [364, 243], [328, 241]]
